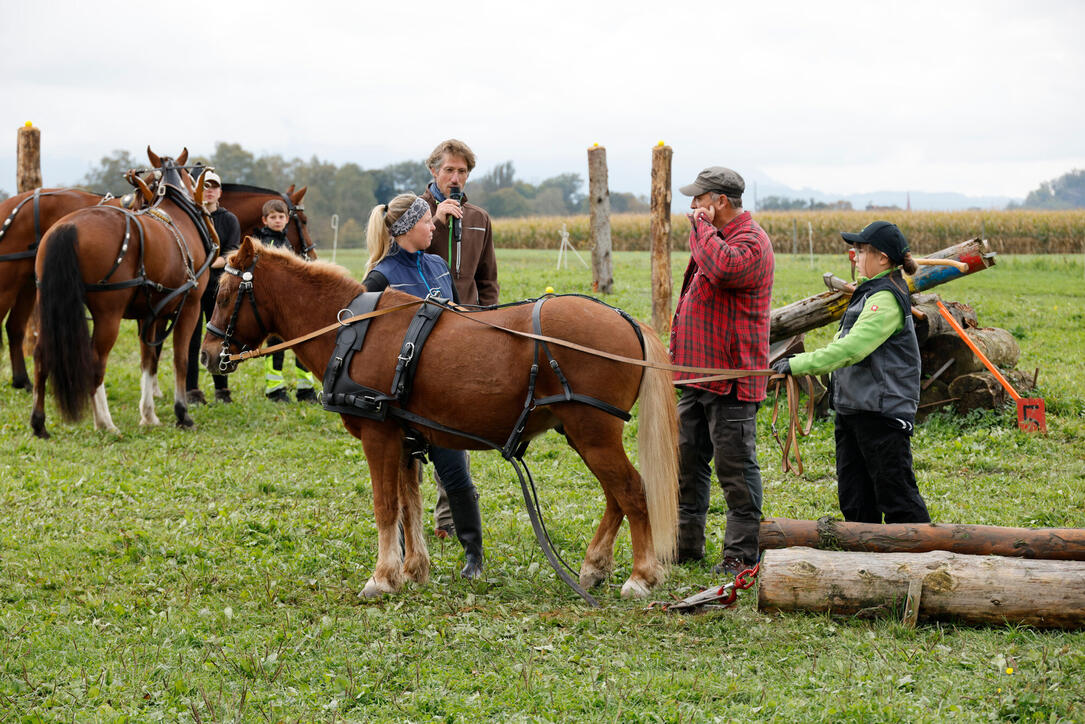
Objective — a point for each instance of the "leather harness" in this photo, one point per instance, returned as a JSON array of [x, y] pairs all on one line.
[[344, 395]]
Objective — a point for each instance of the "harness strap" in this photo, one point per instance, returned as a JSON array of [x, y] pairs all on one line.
[[410, 351], [32, 250]]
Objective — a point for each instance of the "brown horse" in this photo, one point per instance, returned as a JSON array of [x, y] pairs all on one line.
[[26, 217], [150, 266], [247, 204], [474, 378]]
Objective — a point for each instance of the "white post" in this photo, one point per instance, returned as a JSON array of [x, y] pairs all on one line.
[[335, 237]]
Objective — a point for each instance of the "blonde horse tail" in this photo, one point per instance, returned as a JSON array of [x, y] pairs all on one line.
[[657, 443]]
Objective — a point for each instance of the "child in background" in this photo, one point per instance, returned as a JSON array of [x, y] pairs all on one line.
[[275, 217], [875, 363]]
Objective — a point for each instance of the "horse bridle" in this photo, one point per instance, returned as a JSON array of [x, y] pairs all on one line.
[[294, 212], [244, 290]]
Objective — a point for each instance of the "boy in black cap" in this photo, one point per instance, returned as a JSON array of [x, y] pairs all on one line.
[[875, 383]]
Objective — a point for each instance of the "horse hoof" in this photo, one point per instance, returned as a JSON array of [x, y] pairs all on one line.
[[373, 589], [634, 589], [417, 571], [186, 424], [590, 576], [21, 384], [42, 434]]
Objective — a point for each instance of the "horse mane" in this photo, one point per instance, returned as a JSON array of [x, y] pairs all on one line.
[[332, 278], [250, 189]]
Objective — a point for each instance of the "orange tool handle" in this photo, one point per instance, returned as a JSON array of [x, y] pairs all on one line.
[[972, 345]]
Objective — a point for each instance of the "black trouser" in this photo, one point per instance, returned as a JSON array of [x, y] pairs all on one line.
[[711, 426], [207, 308], [874, 470]]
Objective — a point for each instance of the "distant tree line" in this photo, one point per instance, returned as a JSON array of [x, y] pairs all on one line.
[[1065, 192], [351, 191], [783, 203]]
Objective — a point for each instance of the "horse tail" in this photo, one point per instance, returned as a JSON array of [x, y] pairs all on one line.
[[63, 336], [657, 443]]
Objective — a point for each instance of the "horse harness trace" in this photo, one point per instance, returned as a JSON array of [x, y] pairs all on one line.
[[32, 250], [170, 187]]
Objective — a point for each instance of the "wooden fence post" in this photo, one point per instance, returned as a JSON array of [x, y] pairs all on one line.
[[661, 238], [28, 178], [599, 201]]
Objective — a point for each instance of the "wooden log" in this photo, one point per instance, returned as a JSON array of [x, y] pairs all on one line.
[[932, 324], [28, 158], [599, 204], [1064, 544], [821, 309], [998, 344], [970, 589], [660, 231], [932, 398], [981, 391]]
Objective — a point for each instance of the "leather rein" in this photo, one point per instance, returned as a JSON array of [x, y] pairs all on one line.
[[710, 374]]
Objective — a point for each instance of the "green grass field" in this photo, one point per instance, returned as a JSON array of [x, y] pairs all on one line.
[[213, 575]]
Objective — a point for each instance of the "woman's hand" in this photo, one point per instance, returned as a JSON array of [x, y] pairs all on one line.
[[448, 207]]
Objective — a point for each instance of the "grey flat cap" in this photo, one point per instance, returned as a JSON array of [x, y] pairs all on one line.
[[716, 179]]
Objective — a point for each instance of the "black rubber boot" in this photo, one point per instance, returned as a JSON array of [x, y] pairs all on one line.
[[465, 515]]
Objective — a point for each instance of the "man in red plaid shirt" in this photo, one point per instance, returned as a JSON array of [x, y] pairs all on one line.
[[721, 321]]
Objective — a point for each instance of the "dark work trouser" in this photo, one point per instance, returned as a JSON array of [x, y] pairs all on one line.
[[207, 308], [874, 470], [714, 427]]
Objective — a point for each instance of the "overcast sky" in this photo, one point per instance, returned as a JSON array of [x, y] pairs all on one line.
[[981, 98]]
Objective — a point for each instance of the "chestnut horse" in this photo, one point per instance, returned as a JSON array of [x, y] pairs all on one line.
[[150, 266], [26, 217], [474, 379]]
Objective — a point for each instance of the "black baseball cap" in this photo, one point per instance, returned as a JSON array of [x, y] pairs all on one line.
[[883, 236], [716, 179]]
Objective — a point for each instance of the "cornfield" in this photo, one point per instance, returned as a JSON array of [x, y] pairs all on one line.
[[1020, 232]]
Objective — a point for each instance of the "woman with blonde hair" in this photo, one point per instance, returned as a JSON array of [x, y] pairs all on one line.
[[397, 236]]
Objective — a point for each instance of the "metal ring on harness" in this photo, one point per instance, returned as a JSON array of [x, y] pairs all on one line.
[[339, 316]]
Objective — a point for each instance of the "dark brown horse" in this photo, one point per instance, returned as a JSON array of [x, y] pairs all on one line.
[[25, 218], [247, 204], [474, 379], [150, 266]]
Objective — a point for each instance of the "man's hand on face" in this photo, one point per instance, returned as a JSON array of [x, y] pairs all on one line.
[[446, 208], [704, 212]]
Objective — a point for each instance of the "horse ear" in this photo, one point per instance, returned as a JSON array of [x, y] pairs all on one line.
[[183, 157], [290, 190], [243, 257], [155, 160], [198, 188], [296, 196]]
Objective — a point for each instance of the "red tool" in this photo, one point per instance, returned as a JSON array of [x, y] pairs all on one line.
[[1030, 410]]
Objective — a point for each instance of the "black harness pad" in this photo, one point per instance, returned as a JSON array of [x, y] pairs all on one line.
[[342, 394]]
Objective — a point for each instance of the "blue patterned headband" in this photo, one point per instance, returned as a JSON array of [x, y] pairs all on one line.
[[410, 217]]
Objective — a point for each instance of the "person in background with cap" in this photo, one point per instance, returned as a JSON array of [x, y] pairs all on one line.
[[229, 233], [874, 390], [721, 321]]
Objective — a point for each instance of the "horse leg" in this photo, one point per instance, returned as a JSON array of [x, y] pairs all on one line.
[[416, 557], [182, 332], [383, 445], [102, 340], [148, 383], [41, 374], [597, 438], [16, 331]]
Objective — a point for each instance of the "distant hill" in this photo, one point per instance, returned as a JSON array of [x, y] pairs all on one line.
[[920, 200]]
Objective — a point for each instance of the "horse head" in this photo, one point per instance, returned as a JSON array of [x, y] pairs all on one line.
[[170, 172], [293, 198], [234, 326]]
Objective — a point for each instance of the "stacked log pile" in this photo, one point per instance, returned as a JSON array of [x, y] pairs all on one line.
[[977, 574], [952, 376]]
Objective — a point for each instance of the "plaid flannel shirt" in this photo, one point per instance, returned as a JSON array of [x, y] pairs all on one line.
[[722, 317]]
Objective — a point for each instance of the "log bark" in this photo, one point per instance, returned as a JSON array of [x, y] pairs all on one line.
[[1064, 544], [981, 391], [28, 159], [998, 344], [660, 230], [932, 398], [599, 203], [821, 309], [933, 324], [28, 178], [970, 589]]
